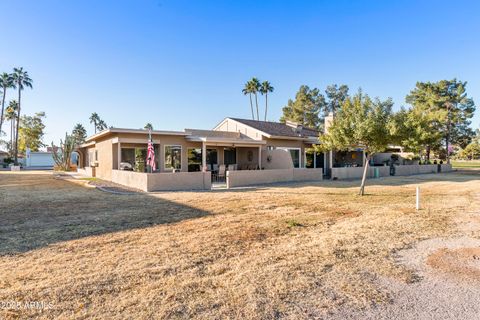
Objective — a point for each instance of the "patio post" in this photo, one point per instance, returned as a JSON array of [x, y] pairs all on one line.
[[260, 157], [204, 156], [119, 155]]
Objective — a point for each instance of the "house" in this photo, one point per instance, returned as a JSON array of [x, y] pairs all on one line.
[[235, 143]]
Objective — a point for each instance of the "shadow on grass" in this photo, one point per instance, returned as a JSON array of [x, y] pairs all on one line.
[[38, 210]]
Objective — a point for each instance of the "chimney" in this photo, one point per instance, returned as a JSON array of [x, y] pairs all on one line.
[[295, 126], [328, 122]]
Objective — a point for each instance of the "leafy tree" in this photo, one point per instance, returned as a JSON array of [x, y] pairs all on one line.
[[148, 126], [415, 130], [62, 154], [449, 107], [265, 88], [360, 123], [21, 79], [472, 151], [306, 107], [336, 95], [11, 115], [79, 134], [31, 132], [6, 82]]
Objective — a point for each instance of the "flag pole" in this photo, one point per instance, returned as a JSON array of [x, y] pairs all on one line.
[[150, 140]]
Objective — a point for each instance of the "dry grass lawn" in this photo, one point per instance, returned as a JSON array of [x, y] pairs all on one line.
[[289, 251]]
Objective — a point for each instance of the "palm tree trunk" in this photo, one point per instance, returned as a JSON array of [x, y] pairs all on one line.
[[18, 123], [251, 106], [364, 178], [3, 108], [266, 105], [256, 103]]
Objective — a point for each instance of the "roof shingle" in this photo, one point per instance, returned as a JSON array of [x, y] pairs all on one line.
[[279, 129]]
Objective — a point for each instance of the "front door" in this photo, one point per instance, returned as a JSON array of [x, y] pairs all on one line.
[[229, 156]]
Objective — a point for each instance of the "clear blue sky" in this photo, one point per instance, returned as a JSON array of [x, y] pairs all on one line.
[[182, 64]]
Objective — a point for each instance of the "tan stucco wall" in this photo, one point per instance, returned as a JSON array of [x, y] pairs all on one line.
[[234, 126], [259, 177], [279, 159], [357, 173], [163, 181]]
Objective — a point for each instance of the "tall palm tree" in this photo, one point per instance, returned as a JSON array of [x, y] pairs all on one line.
[[11, 115], [6, 82], [94, 118], [247, 90], [265, 88], [21, 80], [101, 125], [255, 87]]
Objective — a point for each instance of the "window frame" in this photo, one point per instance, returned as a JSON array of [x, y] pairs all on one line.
[[165, 155]]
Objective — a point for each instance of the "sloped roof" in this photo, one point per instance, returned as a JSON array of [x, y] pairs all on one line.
[[279, 129], [214, 134]]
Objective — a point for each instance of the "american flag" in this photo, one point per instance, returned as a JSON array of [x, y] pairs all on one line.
[[151, 155]]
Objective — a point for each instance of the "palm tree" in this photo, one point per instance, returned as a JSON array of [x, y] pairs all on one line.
[[94, 118], [265, 88], [255, 87], [11, 114], [101, 125], [21, 80], [6, 82], [247, 90], [148, 126]]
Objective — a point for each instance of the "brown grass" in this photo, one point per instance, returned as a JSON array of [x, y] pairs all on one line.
[[463, 263], [295, 251]]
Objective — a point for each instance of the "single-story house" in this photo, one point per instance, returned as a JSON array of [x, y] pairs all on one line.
[[242, 151]]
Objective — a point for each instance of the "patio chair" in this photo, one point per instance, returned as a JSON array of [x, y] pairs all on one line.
[[232, 167], [221, 172]]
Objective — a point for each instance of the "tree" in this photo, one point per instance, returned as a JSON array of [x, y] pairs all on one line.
[[336, 95], [415, 130], [101, 125], [11, 115], [62, 154], [360, 123], [450, 108], [30, 134], [472, 151], [94, 118], [305, 109], [21, 79], [248, 90], [6, 82], [79, 134], [255, 87], [148, 126], [265, 88]]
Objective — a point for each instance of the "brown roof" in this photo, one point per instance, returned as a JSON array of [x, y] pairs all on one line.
[[214, 134], [279, 129]]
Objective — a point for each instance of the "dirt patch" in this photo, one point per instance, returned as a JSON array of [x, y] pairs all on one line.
[[463, 263]]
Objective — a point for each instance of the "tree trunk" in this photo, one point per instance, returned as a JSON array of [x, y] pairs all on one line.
[[18, 123], [447, 138], [3, 108], [266, 105], [251, 107], [364, 178], [427, 153], [256, 103]]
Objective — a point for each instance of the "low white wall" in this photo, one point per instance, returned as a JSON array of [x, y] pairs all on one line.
[[257, 177], [87, 171], [384, 171], [163, 181], [357, 172]]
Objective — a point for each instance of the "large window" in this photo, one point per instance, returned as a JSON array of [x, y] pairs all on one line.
[[313, 159], [173, 157], [229, 156], [295, 154], [194, 159]]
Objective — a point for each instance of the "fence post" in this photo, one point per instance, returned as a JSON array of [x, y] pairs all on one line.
[[417, 206]]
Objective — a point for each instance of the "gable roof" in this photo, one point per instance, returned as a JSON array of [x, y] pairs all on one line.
[[279, 129]]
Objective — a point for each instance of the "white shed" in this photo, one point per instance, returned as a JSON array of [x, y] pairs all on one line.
[[39, 159]]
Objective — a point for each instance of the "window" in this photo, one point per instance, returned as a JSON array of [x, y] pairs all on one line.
[[229, 156], [173, 157], [92, 157], [313, 159], [295, 154], [194, 159]]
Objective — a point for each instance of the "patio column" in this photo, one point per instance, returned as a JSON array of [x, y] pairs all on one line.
[[260, 157], [119, 155], [204, 156]]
